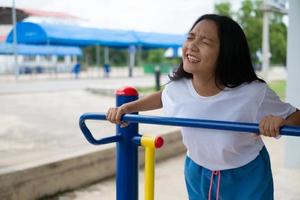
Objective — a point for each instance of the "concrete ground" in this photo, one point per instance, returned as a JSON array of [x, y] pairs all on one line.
[[169, 184], [39, 121]]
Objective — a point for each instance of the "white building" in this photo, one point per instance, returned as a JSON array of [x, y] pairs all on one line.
[[28, 62]]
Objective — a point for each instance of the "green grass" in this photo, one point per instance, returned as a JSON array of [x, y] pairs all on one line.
[[279, 87], [147, 90], [144, 90]]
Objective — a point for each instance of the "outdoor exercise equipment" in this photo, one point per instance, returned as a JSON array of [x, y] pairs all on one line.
[[128, 139]]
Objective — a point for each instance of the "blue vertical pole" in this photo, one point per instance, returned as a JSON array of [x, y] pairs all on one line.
[[127, 152]]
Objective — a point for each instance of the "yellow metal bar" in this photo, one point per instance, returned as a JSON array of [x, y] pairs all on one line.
[[149, 173], [150, 143]]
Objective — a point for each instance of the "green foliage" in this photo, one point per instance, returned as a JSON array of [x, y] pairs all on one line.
[[278, 42], [117, 57], [155, 56], [120, 57], [250, 17], [223, 8]]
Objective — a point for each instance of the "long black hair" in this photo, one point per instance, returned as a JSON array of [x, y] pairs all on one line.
[[234, 66]]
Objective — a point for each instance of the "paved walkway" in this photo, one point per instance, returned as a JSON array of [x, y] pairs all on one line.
[[40, 119]]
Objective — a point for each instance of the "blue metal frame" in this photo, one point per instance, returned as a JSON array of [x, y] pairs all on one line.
[[128, 140], [127, 157], [197, 123]]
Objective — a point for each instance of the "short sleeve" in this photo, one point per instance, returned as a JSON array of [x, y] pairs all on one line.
[[171, 97], [272, 105], [166, 102]]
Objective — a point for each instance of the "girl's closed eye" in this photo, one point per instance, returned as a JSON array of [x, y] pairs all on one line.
[[205, 42], [189, 37]]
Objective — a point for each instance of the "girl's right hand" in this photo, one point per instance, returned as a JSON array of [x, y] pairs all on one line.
[[149, 102], [114, 115]]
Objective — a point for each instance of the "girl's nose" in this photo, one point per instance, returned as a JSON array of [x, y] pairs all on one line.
[[193, 47]]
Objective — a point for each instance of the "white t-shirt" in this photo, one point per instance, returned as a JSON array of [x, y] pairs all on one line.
[[218, 149]]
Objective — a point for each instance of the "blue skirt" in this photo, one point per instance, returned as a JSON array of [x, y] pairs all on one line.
[[252, 181]]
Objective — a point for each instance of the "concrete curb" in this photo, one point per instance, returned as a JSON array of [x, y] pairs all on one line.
[[101, 91], [46, 179]]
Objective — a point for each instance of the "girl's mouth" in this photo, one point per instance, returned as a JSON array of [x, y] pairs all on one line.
[[192, 59]]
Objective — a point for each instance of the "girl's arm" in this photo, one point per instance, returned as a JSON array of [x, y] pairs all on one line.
[[270, 125], [150, 102], [293, 119]]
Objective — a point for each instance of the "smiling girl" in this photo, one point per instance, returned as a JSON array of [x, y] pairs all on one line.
[[216, 81]]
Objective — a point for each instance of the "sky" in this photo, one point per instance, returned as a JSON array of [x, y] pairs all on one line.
[[166, 16]]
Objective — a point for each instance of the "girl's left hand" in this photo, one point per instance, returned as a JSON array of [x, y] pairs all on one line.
[[270, 125]]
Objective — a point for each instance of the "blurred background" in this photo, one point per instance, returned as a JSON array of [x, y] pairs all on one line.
[[94, 53], [62, 58]]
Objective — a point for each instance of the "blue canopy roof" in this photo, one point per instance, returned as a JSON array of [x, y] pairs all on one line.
[[32, 33], [23, 49], [159, 40]]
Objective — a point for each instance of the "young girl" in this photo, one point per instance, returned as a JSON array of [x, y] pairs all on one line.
[[216, 81]]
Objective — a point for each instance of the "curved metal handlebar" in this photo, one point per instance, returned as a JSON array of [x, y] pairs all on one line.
[[88, 135], [172, 121]]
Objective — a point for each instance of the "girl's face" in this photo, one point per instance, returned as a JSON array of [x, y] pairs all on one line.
[[201, 49]]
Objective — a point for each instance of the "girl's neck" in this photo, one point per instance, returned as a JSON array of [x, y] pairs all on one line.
[[206, 86]]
